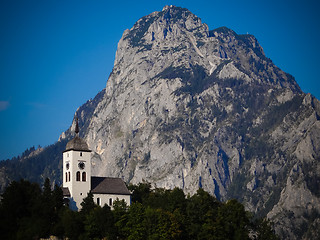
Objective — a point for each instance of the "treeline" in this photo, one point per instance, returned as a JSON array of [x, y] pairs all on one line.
[[29, 212]]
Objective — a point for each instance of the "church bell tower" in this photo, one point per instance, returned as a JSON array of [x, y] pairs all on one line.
[[76, 170]]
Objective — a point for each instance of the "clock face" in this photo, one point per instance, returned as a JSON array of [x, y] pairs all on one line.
[[67, 166], [81, 165]]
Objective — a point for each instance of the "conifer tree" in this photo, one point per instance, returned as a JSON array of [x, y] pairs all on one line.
[[87, 204]]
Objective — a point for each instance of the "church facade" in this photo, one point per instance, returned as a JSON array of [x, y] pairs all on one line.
[[78, 182]]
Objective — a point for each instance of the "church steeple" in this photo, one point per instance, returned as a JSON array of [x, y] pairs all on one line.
[[77, 143], [77, 126]]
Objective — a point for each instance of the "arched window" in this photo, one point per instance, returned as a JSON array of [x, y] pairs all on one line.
[[78, 176], [66, 177], [69, 176], [98, 201], [84, 176], [110, 202]]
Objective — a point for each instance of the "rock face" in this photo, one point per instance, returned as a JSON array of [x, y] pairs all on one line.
[[187, 107]]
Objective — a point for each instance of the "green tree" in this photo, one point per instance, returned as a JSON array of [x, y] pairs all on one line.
[[17, 209], [135, 228], [140, 192], [120, 214], [157, 198], [161, 224], [264, 230], [99, 223], [176, 200], [208, 227], [232, 221], [87, 204], [200, 207], [45, 210], [72, 224], [57, 198], [58, 209]]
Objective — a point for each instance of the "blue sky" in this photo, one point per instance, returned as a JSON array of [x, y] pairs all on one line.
[[57, 54]]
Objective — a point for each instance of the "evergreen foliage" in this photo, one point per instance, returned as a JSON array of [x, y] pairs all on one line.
[[29, 212]]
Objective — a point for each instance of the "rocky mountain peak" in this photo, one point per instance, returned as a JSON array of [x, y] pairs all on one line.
[[159, 26], [165, 31], [177, 38]]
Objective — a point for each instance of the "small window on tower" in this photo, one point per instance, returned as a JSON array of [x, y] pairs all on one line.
[[78, 176], [69, 176], [80, 154], [66, 177], [84, 176]]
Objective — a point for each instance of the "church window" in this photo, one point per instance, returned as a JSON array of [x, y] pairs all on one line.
[[78, 176], [66, 177], [80, 154], [69, 176], [84, 176], [110, 201], [98, 201]]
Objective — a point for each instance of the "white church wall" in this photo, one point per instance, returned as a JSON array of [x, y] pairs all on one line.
[[102, 199]]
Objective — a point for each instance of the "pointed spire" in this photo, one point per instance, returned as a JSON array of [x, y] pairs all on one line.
[[77, 126]]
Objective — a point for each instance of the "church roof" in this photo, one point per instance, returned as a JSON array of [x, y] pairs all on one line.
[[77, 144], [108, 185]]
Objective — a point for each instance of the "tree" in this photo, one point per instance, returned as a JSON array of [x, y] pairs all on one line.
[[58, 209], [134, 227], [232, 221], [87, 204], [57, 198], [99, 223], [140, 192], [161, 224], [45, 209], [72, 224], [264, 230], [200, 207], [176, 200], [120, 214], [17, 210]]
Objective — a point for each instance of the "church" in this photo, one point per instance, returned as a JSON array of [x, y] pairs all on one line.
[[78, 182]]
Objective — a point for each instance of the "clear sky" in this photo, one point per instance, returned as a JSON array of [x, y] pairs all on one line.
[[57, 54]]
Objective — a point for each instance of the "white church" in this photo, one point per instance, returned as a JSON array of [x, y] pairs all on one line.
[[78, 182]]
